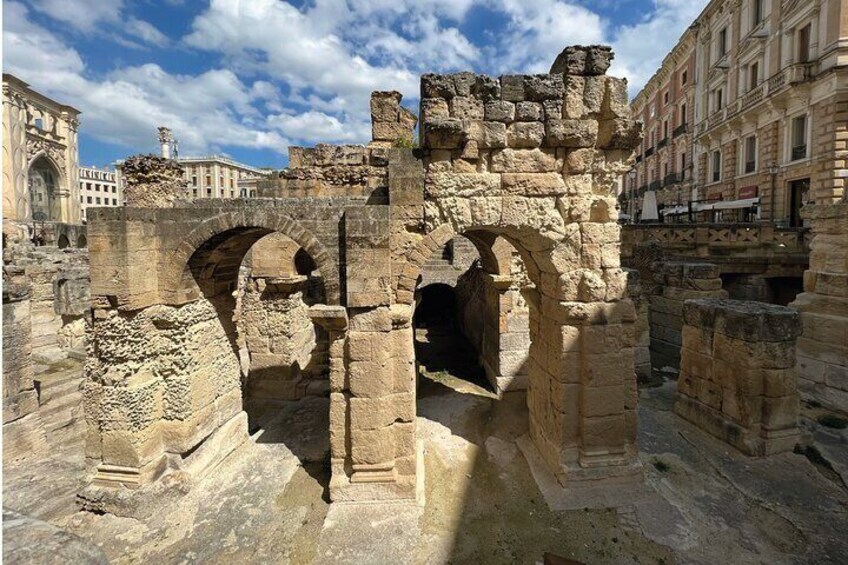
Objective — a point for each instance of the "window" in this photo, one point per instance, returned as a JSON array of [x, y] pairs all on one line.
[[114, 202], [194, 180], [97, 200], [665, 97], [756, 13], [682, 165], [221, 181], [82, 199], [683, 114], [88, 199], [804, 43], [753, 75], [683, 77], [194, 193], [39, 123], [209, 193], [665, 129], [665, 169], [722, 42], [716, 166], [750, 154], [208, 180], [798, 138], [718, 99], [114, 190]]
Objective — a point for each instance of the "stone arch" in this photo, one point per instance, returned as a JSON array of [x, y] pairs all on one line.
[[82, 241], [177, 284], [63, 242], [42, 190]]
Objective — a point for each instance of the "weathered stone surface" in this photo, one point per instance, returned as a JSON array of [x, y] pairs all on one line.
[[590, 60], [571, 133], [525, 134], [152, 182], [500, 111]]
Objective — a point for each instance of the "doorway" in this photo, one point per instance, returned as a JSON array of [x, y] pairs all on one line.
[[799, 191]]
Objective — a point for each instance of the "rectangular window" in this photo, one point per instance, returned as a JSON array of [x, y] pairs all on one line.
[[88, 199], [750, 154], [208, 180], [114, 190], [756, 13], [194, 193], [665, 129], [683, 114], [194, 180], [753, 75], [114, 202], [682, 165], [39, 123], [798, 138], [804, 43], [716, 166], [209, 193], [665, 97], [82, 199], [722, 42], [683, 77], [97, 200], [718, 99]]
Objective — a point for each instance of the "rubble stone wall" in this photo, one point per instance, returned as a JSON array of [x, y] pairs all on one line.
[[737, 375]]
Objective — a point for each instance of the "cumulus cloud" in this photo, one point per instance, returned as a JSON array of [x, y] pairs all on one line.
[[275, 73]]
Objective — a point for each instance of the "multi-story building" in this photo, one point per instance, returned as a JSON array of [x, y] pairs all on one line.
[[770, 111], [41, 160], [99, 187], [217, 176], [666, 107]]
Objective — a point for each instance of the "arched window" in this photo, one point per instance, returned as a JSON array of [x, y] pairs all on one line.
[[43, 180]]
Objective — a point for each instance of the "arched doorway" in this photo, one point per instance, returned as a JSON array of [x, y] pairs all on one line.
[[43, 182]]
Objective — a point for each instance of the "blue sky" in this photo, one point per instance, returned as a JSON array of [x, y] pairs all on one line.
[[248, 78]]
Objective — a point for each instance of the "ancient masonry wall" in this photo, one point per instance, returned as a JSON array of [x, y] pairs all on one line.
[[823, 345], [642, 327], [674, 283], [737, 374]]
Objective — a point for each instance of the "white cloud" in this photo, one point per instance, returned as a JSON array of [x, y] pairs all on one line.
[[280, 73], [207, 112], [88, 16]]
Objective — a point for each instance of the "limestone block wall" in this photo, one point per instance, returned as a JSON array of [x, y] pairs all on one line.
[[288, 354], [642, 326], [737, 374], [823, 345], [19, 395], [676, 282]]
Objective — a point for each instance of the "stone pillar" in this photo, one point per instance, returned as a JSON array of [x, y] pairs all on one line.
[[737, 374], [677, 282], [506, 334], [152, 182], [15, 192], [823, 345], [19, 395], [373, 408]]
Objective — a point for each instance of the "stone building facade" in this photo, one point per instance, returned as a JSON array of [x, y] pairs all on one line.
[[217, 176], [99, 187], [666, 105], [532, 159], [768, 108], [40, 156]]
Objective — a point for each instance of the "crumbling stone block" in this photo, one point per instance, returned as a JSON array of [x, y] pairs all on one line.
[[152, 182], [737, 375]]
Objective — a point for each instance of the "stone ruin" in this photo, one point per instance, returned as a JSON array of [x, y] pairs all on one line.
[[530, 160]]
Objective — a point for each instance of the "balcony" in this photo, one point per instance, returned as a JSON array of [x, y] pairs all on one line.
[[648, 152], [672, 178], [780, 81], [680, 130], [662, 143]]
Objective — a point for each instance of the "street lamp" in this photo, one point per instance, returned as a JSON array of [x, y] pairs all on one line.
[[631, 174]]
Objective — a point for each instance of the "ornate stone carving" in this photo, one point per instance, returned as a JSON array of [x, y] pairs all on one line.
[[55, 151]]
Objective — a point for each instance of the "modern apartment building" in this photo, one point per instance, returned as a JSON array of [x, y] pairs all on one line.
[[99, 188], [770, 114], [216, 176]]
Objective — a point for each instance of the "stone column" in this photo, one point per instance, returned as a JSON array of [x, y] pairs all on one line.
[[677, 282], [823, 345], [737, 374], [15, 191]]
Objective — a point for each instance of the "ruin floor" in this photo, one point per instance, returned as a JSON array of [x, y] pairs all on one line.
[[702, 501]]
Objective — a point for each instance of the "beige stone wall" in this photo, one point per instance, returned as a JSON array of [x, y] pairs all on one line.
[[823, 345], [737, 374], [675, 283]]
